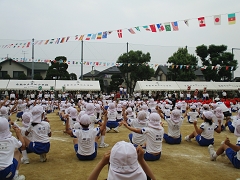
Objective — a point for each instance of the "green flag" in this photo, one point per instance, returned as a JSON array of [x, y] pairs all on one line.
[[39, 88], [167, 26]]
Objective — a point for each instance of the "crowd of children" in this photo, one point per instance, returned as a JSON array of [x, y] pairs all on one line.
[[89, 122]]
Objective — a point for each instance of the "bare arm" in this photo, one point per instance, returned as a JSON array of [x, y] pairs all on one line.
[[199, 131], [232, 146], [139, 131], [218, 130]]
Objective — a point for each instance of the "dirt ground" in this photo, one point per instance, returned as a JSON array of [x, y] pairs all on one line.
[[184, 161]]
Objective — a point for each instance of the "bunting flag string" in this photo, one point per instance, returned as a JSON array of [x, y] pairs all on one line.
[[158, 27]]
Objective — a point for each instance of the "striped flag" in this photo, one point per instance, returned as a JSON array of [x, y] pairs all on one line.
[[146, 28], [94, 36], [46, 41], [63, 39], [174, 26], [57, 41], [88, 37], [131, 31], [67, 38], [153, 28], [160, 27], [99, 35], [81, 38], [119, 33], [231, 18]]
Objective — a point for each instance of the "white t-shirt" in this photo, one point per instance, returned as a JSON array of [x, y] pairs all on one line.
[[154, 138], [93, 121], [192, 116], [112, 116], [40, 132], [7, 148], [174, 129], [208, 130], [86, 140], [222, 106]]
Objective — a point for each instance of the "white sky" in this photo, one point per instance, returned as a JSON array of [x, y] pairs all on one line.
[[46, 19]]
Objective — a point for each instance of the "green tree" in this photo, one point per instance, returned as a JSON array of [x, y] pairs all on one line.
[[22, 76], [38, 76], [115, 82], [73, 76], [135, 67], [182, 57], [58, 69], [216, 56]]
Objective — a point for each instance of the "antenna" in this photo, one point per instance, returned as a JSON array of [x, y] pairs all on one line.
[[24, 52]]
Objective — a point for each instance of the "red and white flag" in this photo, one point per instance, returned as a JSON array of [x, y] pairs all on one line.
[[119, 33], [217, 19], [201, 21]]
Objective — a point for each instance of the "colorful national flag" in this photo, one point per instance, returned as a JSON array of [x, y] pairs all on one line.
[[76, 37], [160, 27], [88, 37], [40, 42], [153, 28], [119, 33], [146, 28], [28, 44], [186, 22], [81, 38], [63, 39], [73, 62], [201, 21], [104, 35], [67, 38], [99, 35], [46, 41], [94, 36], [109, 32], [131, 31], [167, 26], [137, 28], [68, 62], [174, 26], [51, 41], [217, 19], [231, 18], [57, 40]]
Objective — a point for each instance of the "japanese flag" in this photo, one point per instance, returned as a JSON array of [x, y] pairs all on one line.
[[217, 20], [201, 21]]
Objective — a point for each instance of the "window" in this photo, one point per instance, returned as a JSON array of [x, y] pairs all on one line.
[[16, 74], [3, 73]]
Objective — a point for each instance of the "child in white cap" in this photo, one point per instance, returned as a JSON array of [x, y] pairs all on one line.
[[10, 158], [204, 135], [231, 150], [174, 124], [85, 143], [154, 137], [192, 114], [231, 124], [126, 162], [112, 118], [41, 132]]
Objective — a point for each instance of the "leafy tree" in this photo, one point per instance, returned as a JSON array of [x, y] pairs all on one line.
[[116, 80], [135, 67], [73, 76], [38, 76], [182, 57], [22, 76], [58, 69], [7, 76], [216, 56]]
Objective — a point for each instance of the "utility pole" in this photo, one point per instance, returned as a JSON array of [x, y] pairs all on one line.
[[233, 58], [32, 58], [127, 67], [82, 61]]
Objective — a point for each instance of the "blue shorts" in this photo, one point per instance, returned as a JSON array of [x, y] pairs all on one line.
[[105, 107], [171, 140], [119, 120], [9, 172], [232, 157], [85, 158], [151, 157], [183, 111], [112, 124], [204, 142], [230, 126], [19, 114], [39, 148]]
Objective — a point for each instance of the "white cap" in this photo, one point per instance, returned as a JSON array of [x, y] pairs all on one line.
[[85, 120], [37, 114], [208, 114], [154, 121], [4, 128]]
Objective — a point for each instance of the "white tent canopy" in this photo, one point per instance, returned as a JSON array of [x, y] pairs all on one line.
[[156, 86], [227, 85], [30, 84], [183, 85], [74, 85], [4, 84]]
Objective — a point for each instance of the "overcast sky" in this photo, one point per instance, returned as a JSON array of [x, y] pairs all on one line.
[[47, 19]]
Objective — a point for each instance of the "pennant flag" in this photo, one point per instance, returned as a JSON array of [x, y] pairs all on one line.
[[131, 31], [51, 41], [81, 38], [73, 62], [109, 32], [146, 28], [186, 22], [217, 20], [160, 27], [68, 62], [67, 38], [99, 35], [46, 41], [40, 42], [63, 39], [104, 35], [28, 44], [76, 37], [88, 37], [201, 21], [57, 41], [76, 62], [227, 67], [231, 18], [175, 26], [137, 28], [167, 26], [94, 36], [153, 28], [119, 33]]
